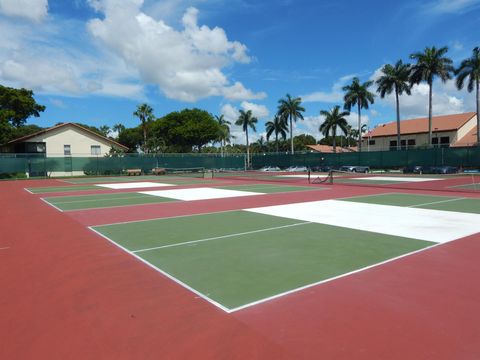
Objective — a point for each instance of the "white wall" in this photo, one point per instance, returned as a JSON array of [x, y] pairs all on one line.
[[80, 142]]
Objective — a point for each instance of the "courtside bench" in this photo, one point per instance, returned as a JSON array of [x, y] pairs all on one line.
[[133, 172]]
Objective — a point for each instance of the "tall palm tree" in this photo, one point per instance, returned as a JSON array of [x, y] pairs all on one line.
[[278, 127], [145, 113], [471, 68], [395, 78], [358, 94], [224, 134], [247, 120], [118, 128], [291, 109], [431, 63], [104, 129], [334, 119]]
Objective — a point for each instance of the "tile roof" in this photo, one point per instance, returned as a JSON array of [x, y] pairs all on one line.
[[329, 149], [23, 138], [470, 139], [415, 126]]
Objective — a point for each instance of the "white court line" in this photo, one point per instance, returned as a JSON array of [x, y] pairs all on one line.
[[103, 199], [4, 248], [181, 283], [436, 202], [46, 202], [28, 190], [222, 237]]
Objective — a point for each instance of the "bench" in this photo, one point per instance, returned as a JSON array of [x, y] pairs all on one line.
[[159, 171], [133, 172]]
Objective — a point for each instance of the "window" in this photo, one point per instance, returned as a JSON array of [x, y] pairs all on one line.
[[371, 142], [67, 150], [411, 142], [393, 144], [95, 149]]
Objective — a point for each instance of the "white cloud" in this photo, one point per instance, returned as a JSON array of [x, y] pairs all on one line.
[[451, 6], [335, 95], [259, 111], [186, 64], [35, 10]]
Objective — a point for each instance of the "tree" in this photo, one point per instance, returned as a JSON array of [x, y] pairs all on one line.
[[104, 129], [334, 119], [131, 138], [278, 127], [224, 132], [145, 113], [358, 94], [291, 109], [470, 68], [395, 79], [247, 120], [180, 131], [301, 141], [17, 105], [430, 63], [118, 128]]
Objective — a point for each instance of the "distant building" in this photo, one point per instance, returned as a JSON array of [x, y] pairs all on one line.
[[66, 139], [447, 130], [329, 149]]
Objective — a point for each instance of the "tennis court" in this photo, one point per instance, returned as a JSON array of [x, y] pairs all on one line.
[[83, 202], [237, 259]]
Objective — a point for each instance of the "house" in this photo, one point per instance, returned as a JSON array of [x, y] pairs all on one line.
[[67, 141], [329, 149], [447, 130]]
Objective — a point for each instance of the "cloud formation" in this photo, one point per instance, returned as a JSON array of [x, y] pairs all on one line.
[[35, 10], [186, 64]]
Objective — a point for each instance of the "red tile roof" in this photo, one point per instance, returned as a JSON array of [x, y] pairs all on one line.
[[470, 139], [416, 126], [329, 149]]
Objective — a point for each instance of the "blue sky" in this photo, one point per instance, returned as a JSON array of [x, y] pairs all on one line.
[[93, 61]]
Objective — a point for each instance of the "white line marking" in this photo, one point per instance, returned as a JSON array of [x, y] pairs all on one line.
[[46, 202], [330, 279], [5, 248], [102, 199], [221, 237], [181, 283], [436, 202], [28, 190]]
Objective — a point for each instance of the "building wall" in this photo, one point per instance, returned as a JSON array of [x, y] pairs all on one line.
[[383, 143], [80, 142]]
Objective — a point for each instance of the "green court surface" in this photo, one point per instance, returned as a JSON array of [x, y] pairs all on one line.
[[364, 181], [238, 258], [50, 189], [81, 202], [446, 203], [154, 178]]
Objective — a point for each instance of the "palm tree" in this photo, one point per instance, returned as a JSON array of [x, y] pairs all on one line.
[[247, 120], [104, 129], [471, 68], [278, 127], [431, 62], [224, 133], [145, 113], [358, 94], [291, 109], [118, 128], [334, 119], [395, 78]]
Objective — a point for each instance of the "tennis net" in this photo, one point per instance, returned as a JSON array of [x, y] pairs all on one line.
[[461, 182], [264, 176]]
